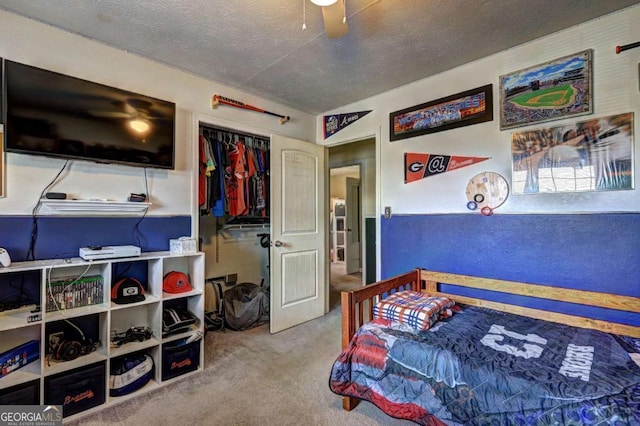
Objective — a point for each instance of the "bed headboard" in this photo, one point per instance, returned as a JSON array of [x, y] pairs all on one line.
[[357, 305]]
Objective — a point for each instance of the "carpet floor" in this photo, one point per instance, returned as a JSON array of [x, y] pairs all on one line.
[[256, 378]]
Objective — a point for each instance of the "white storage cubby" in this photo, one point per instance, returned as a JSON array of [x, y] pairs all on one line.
[[102, 317], [123, 319], [12, 338]]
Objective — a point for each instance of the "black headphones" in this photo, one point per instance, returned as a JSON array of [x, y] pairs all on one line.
[[68, 349]]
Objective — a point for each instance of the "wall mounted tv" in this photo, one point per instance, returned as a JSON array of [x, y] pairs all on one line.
[[52, 114]]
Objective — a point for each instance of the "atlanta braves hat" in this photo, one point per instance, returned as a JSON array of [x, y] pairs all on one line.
[[127, 290], [130, 373], [176, 282]]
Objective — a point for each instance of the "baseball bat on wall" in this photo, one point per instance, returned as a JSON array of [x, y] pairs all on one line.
[[217, 100], [627, 47]]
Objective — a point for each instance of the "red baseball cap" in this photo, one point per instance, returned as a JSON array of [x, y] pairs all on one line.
[[176, 282]]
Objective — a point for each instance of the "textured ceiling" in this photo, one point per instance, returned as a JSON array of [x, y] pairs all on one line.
[[258, 46]]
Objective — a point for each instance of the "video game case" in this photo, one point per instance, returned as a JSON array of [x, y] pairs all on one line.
[[72, 293]]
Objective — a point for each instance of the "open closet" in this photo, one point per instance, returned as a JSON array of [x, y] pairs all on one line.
[[263, 218], [233, 176], [234, 198]]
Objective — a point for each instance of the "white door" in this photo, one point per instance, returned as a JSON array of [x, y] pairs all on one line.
[[298, 241], [353, 244]]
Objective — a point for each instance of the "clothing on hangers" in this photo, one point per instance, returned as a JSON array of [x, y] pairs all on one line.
[[232, 175]]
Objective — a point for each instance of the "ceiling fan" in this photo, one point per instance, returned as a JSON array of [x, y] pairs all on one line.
[[334, 16], [137, 111]]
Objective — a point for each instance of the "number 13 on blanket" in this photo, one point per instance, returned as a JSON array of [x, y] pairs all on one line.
[[577, 362]]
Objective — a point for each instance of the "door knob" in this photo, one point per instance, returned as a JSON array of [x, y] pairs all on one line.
[[279, 243]]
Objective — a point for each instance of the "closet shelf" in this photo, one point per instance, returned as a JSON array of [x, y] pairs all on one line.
[[91, 207], [241, 226]]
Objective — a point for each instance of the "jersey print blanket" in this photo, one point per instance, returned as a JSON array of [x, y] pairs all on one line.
[[488, 367]]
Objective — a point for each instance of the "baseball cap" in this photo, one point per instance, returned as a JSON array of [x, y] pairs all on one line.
[[127, 290], [176, 282]]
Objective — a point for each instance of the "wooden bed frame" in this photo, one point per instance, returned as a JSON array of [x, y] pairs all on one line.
[[357, 305]]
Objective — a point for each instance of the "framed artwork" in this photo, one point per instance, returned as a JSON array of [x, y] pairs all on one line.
[[462, 109], [1, 93], [592, 155], [1, 164], [2, 174], [1, 133], [551, 91]]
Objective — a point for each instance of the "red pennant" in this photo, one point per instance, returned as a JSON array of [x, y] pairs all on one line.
[[419, 166]]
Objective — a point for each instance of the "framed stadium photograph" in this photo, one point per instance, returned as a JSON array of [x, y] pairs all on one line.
[[1, 136], [592, 155], [462, 109], [1, 94], [551, 91], [1, 167]]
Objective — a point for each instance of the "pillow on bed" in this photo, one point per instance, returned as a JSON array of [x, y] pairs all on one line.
[[417, 310]]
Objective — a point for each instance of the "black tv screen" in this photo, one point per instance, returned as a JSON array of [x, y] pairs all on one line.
[[52, 114]]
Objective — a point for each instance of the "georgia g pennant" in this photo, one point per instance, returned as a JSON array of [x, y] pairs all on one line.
[[419, 166]]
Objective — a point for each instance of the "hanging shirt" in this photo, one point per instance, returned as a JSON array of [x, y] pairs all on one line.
[[251, 161], [211, 162], [235, 178], [218, 207], [260, 194], [202, 179]]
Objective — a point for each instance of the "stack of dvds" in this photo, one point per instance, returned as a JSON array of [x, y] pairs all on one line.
[[69, 293]]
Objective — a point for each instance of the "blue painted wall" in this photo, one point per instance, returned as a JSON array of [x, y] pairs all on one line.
[[596, 252], [61, 237]]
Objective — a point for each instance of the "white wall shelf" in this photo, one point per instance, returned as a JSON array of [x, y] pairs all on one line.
[[91, 207]]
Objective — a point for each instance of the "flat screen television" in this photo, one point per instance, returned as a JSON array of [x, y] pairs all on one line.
[[57, 115]]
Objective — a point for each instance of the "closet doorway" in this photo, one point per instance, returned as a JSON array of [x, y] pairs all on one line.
[[283, 199]]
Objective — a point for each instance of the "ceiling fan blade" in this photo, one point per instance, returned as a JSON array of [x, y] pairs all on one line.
[[110, 114], [333, 20]]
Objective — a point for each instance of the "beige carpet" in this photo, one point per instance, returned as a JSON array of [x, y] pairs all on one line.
[[256, 378]]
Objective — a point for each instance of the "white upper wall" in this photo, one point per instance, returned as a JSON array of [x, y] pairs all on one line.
[[616, 81], [173, 192]]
